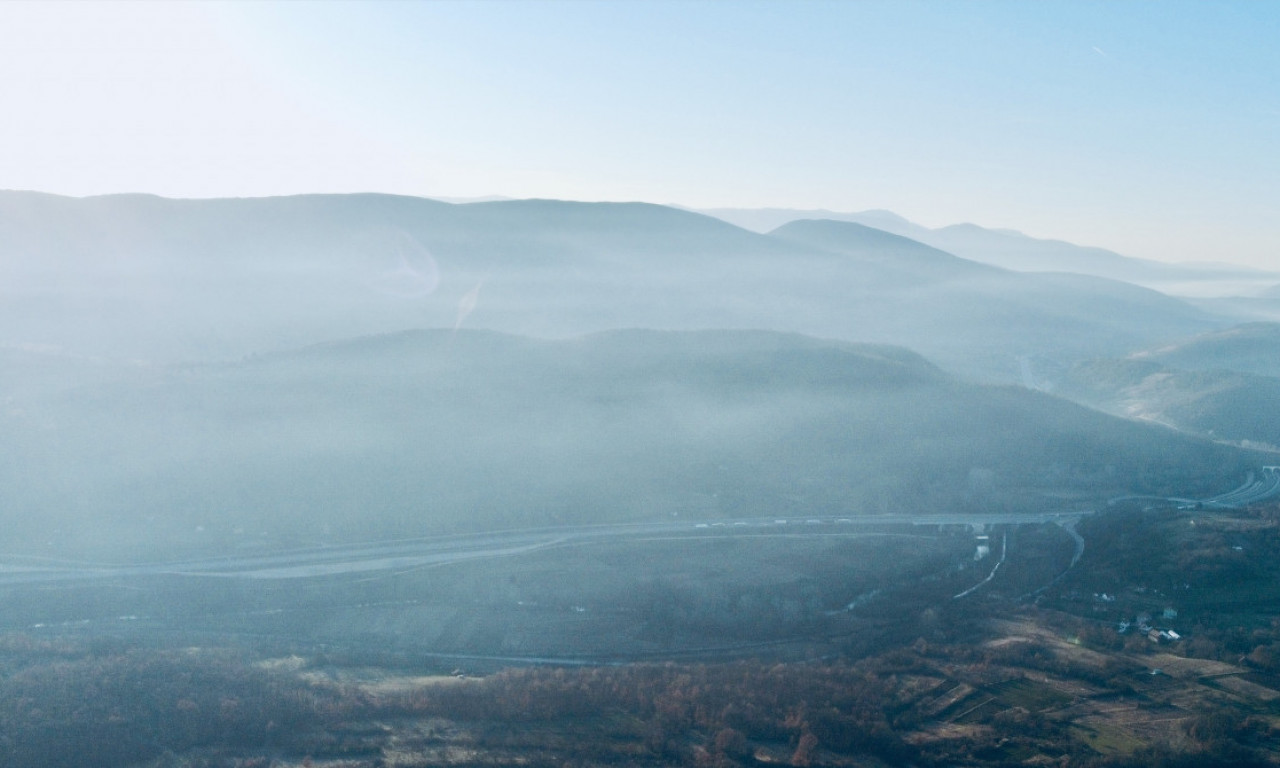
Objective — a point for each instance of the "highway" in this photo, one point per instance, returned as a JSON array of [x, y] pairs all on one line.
[[392, 556], [402, 555], [372, 560], [1254, 490]]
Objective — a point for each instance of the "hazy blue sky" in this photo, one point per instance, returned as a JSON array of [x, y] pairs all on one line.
[[1152, 128]]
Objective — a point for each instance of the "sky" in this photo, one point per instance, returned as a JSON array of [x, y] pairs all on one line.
[[1151, 128]]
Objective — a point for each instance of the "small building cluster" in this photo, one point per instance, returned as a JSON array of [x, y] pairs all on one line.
[[1153, 633]]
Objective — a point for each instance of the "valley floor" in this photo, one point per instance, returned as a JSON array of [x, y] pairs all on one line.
[[1077, 674]]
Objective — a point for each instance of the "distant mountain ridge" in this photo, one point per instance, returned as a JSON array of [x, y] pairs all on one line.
[[135, 276], [1003, 247], [894, 251]]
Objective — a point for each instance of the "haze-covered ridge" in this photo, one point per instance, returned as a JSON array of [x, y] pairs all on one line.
[[138, 277], [1014, 250], [104, 225], [604, 217], [714, 361], [434, 431], [861, 241], [129, 225], [1005, 303]]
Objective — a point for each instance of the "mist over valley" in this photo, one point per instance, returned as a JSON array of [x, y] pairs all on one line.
[[721, 385]]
